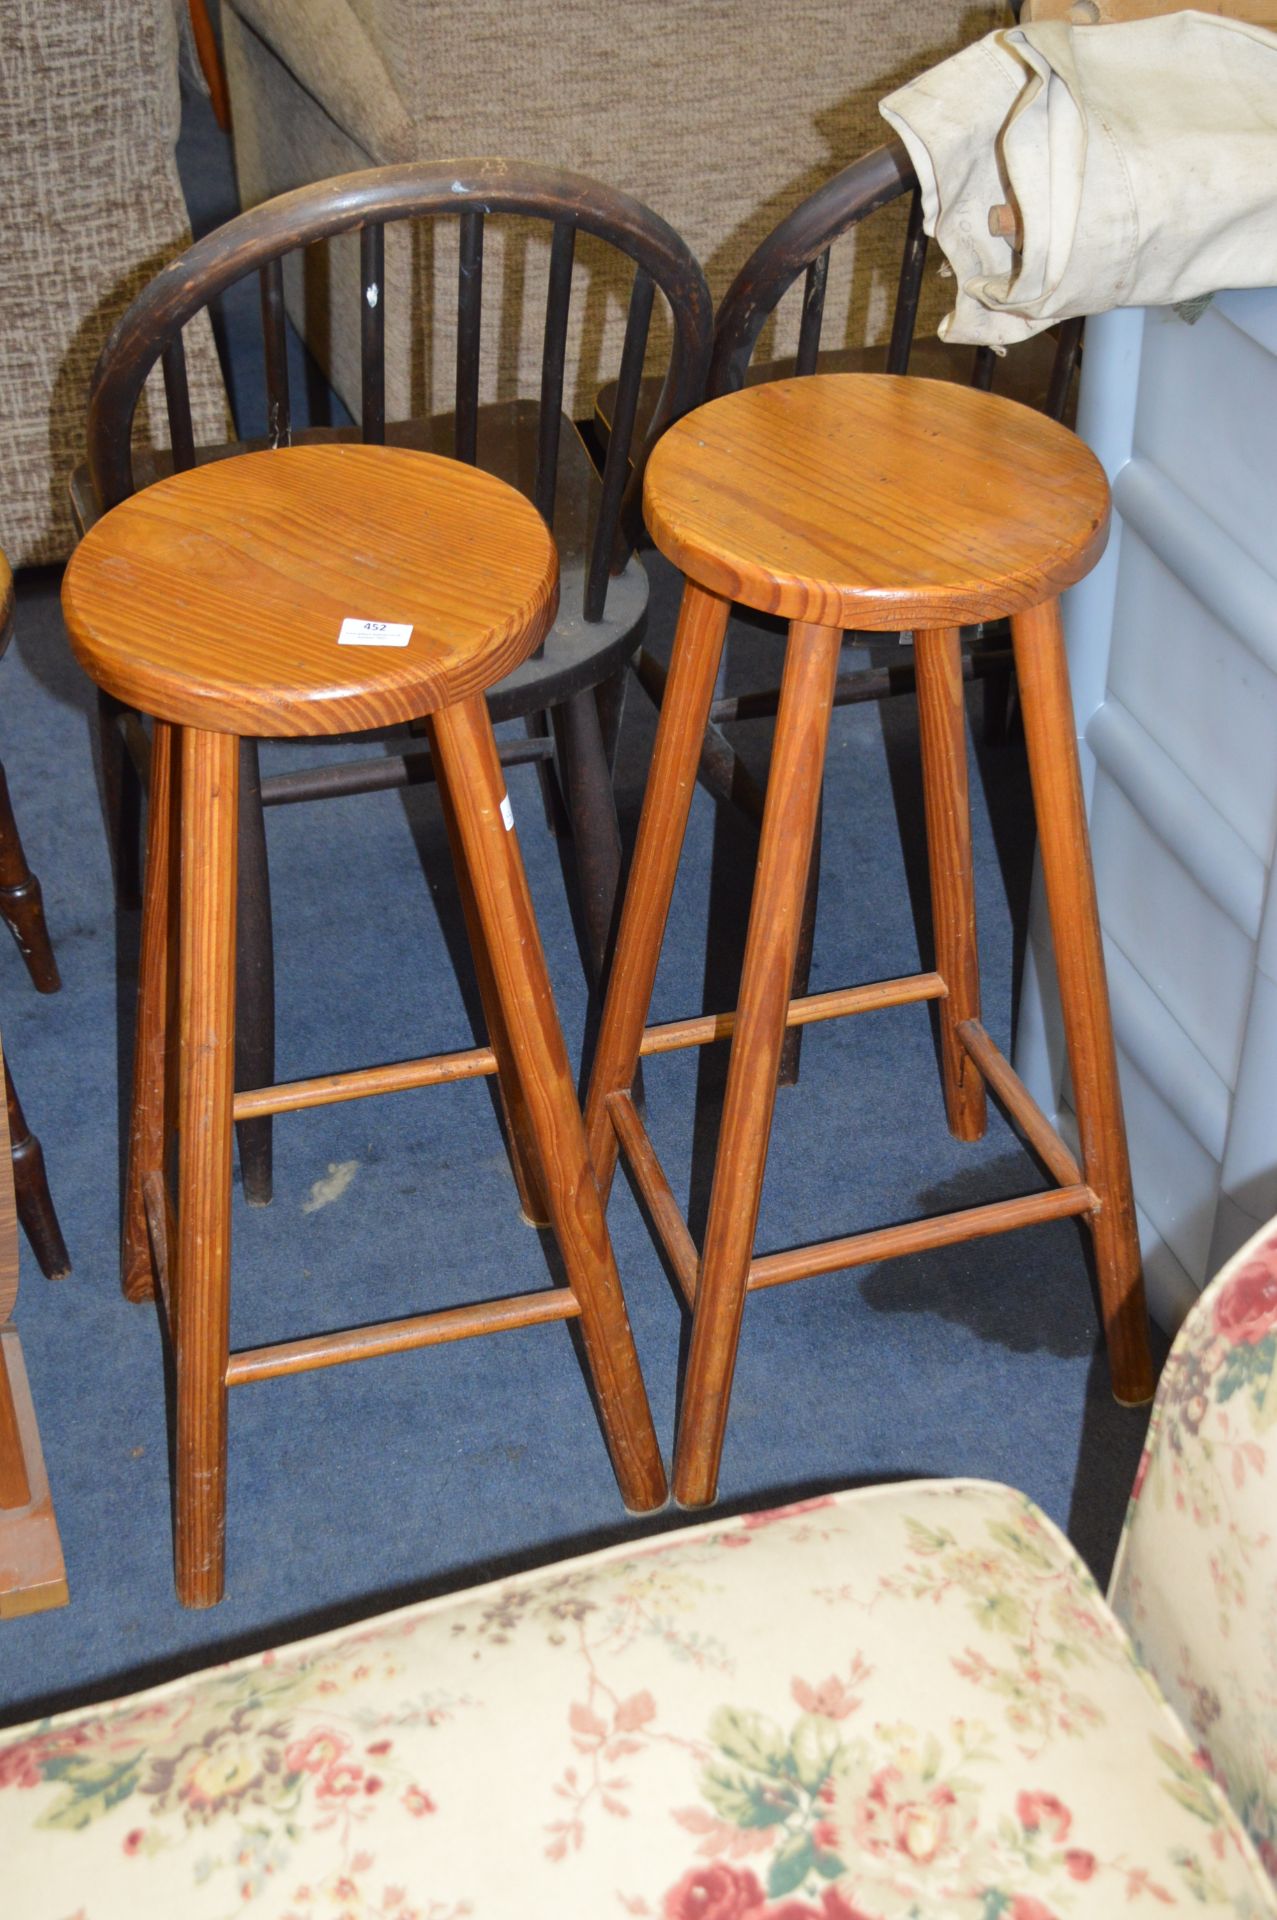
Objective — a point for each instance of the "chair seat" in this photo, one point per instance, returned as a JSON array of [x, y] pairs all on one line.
[[575, 653], [215, 597], [876, 501], [908, 1701]]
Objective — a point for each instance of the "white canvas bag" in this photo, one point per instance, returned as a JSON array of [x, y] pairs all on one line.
[[1142, 159]]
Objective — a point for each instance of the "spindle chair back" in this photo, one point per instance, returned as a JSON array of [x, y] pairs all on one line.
[[1041, 374], [580, 668]]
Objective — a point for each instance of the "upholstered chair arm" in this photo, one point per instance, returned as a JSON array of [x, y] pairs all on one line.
[[1195, 1580], [331, 55]]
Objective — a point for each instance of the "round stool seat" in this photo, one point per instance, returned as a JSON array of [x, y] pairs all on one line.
[[216, 598], [876, 501]]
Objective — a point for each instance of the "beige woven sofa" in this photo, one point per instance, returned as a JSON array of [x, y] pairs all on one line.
[[909, 1701], [90, 208], [719, 114]]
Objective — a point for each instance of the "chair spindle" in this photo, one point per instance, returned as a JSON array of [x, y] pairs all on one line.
[[616, 469], [178, 401], [557, 300], [275, 352], [813, 314], [372, 333], [469, 302], [982, 369], [909, 290]]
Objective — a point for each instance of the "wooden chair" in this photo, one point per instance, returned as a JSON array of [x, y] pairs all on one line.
[[214, 601], [22, 909], [1039, 374], [878, 503], [576, 676]]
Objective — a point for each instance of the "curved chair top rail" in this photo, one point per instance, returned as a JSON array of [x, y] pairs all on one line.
[[365, 202], [801, 243], [798, 244]]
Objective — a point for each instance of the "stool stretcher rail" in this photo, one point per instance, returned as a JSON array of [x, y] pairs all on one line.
[[1071, 1196], [400, 1336], [703, 1029], [328, 1089]]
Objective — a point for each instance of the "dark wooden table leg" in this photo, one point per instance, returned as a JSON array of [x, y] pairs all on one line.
[[122, 801], [21, 905], [35, 1203]]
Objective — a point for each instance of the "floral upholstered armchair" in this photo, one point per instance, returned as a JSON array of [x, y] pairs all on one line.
[[911, 1701]]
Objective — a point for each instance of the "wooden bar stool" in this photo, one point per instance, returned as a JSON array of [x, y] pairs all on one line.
[[214, 601], [888, 504]]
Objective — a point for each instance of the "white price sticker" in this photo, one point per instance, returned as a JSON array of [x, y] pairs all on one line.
[[507, 812], [373, 633]]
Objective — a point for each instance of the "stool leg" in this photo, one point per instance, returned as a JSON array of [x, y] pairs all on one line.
[[148, 1132], [31, 1189], [21, 905], [775, 916], [206, 1074], [791, 1053], [520, 1141], [943, 729], [254, 978], [461, 737], [1064, 844], [685, 704]]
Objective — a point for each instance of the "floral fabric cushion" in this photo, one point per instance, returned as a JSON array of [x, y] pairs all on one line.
[[1196, 1573], [910, 1701]]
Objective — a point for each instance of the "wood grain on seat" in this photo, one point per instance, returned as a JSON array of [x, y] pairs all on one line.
[[876, 501], [216, 598]]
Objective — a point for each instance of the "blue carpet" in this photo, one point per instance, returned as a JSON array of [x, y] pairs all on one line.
[[361, 1487]]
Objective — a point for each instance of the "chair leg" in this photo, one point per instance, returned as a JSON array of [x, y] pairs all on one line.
[[206, 1075], [942, 724], [596, 832], [122, 798], [462, 738], [698, 645], [254, 978], [21, 905], [520, 1141], [35, 1203], [1064, 846], [609, 697], [789, 822], [537, 727], [148, 1131]]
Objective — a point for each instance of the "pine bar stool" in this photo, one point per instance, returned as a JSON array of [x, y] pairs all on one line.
[[888, 504], [213, 601]]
